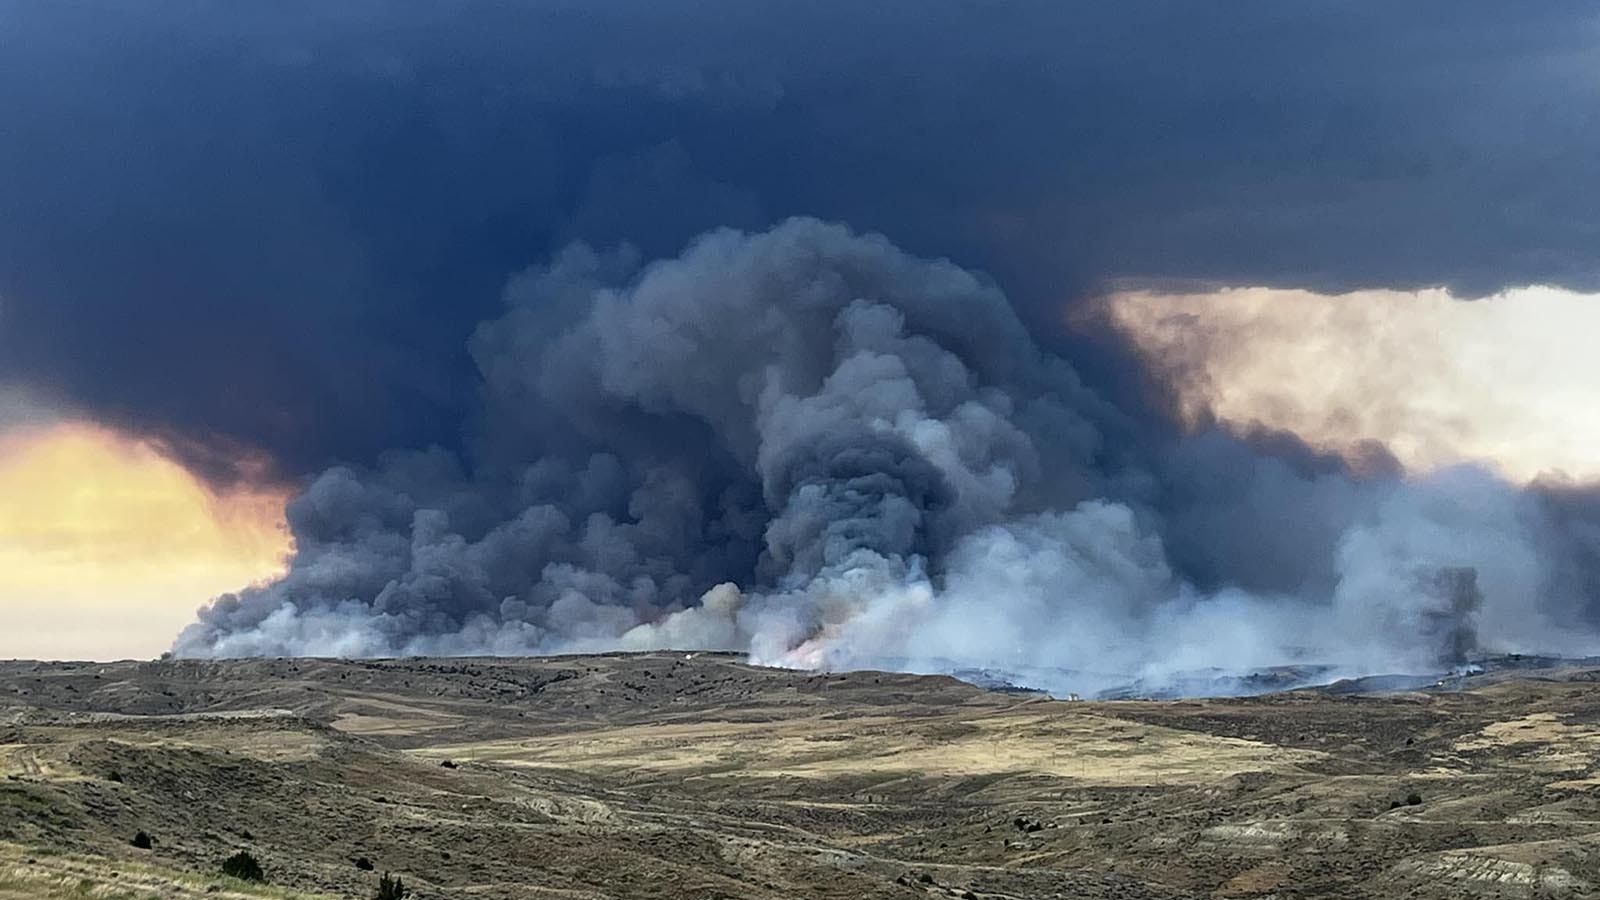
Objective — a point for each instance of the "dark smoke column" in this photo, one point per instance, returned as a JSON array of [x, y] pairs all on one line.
[[807, 413]]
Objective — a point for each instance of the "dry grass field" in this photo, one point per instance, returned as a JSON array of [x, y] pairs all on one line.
[[675, 775]]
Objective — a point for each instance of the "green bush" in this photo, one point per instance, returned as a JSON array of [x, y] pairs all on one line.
[[244, 867], [142, 841], [391, 888]]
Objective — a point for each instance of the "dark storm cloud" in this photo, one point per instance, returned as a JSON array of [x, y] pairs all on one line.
[[274, 227]]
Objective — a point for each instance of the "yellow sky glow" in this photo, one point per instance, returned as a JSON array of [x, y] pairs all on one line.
[[1507, 380], [107, 548]]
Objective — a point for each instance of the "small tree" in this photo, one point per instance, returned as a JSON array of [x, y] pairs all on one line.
[[391, 888], [244, 867], [142, 841]]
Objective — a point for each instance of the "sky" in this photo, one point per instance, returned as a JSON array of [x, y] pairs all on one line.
[[1436, 380], [107, 547], [256, 262]]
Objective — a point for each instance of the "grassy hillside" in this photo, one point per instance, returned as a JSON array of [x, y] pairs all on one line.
[[662, 775]]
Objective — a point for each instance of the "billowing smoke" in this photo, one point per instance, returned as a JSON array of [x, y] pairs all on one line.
[[807, 445]]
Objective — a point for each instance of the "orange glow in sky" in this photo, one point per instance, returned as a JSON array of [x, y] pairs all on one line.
[[1507, 380], [107, 548]]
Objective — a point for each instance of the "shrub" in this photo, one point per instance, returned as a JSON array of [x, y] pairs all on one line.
[[391, 888], [244, 867], [142, 841], [363, 863], [1413, 799]]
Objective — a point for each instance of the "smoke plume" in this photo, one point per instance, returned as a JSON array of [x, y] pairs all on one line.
[[809, 446]]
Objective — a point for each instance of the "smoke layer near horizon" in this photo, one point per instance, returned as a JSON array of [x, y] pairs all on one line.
[[809, 446]]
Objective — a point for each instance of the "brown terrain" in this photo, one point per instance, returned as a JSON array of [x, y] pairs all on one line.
[[694, 775]]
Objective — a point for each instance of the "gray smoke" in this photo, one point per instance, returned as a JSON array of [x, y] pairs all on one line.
[[1450, 625], [809, 446]]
